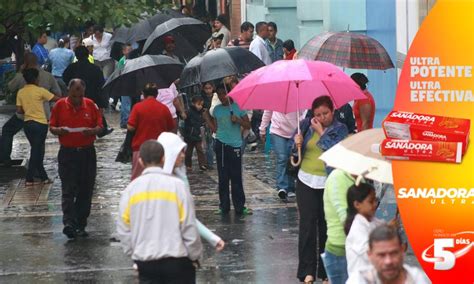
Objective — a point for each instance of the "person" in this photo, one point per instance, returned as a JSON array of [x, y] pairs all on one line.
[[360, 221], [246, 36], [148, 119], [208, 94], [89, 44], [228, 119], [60, 58], [320, 133], [289, 51], [76, 120], [126, 49], [220, 25], [216, 41], [169, 97], [274, 44], [282, 127], [94, 80], [170, 47], [126, 102], [192, 133], [40, 51], [167, 250], [15, 123], [102, 47], [387, 255], [335, 213], [174, 148], [345, 115], [29, 101], [364, 109], [258, 45]]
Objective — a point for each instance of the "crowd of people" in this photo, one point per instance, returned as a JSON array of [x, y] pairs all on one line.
[[339, 238]]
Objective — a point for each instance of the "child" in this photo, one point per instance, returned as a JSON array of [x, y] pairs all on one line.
[[228, 119], [192, 133], [156, 223], [208, 94], [174, 148], [360, 221]]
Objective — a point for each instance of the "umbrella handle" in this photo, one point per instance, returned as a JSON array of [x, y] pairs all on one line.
[[297, 162]]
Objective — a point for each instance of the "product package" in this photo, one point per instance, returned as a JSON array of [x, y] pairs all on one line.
[[416, 150], [425, 127]]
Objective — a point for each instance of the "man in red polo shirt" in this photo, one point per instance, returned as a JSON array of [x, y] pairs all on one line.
[[148, 119], [77, 121]]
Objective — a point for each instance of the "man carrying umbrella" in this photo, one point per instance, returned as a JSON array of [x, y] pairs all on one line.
[[170, 47]]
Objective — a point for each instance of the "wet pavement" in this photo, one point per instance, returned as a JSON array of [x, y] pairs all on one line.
[[261, 248]]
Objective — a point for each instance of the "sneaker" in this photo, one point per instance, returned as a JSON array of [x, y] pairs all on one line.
[[221, 212], [69, 232], [245, 212], [291, 194], [82, 233], [203, 168], [282, 194]]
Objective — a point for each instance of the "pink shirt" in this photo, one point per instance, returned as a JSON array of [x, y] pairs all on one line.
[[283, 125], [166, 96]]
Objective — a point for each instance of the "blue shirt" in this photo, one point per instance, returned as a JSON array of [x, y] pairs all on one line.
[[41, 53], [227, 131], [60, 58], [275, 51]]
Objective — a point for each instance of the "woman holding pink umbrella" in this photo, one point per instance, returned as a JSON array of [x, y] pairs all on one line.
[[318, 134]]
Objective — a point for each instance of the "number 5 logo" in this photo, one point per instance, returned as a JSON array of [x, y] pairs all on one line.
[[445, 259]]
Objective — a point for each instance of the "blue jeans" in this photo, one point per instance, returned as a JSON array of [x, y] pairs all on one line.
[[281, 146], [36, 134], [125, 110], [336, 267]]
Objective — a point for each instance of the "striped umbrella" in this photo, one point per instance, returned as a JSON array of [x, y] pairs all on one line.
[[346, 49]]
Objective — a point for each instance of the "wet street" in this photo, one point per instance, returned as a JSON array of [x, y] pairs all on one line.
[[262, 248]]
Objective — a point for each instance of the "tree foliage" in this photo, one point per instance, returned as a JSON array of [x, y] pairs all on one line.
[[20, 16]]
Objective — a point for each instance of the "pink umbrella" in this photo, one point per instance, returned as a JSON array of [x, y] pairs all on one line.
[[292, 85]]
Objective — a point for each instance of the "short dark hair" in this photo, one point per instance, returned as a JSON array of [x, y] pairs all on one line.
[[289, 44], [42, 33], [220, 87], [151, 89], [384, 233], [151, 152], [323, 100], [197, 99], [360, 79], [222, 18], [260, 25], [98, 28], [89, 24], [81, 52], [30, 75], [246, 26], [273, 25]]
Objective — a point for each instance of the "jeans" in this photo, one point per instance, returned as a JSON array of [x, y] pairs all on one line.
[[166, 270], [312, 231], [281, 146], [36, 134], [125, 110], [336, 267], [189, 153], [229, 169], [77, 169], [9, 129]]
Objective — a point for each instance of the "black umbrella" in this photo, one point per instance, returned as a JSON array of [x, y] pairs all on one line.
[[130, 80], [190, 36], [219, 63], [141, 30]]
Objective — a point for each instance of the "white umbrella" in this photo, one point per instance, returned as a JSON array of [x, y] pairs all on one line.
[[355, 156]]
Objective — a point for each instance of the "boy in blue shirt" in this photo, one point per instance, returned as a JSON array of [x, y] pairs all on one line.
[[228, 119]]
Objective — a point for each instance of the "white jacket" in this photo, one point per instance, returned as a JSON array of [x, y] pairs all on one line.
[[156, 218], [357, 243]]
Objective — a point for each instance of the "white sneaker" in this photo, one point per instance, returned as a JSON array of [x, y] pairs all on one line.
[[282, 194], [291, 194]]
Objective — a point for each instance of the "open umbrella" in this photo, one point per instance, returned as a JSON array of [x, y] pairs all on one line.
[[129, 81], [141, 30], [292, 85], [219, 63], [190, 36], [354, 155], [346, 49]]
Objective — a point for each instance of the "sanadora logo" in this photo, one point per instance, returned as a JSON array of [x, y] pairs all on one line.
[[405, 145], [435, 136], [439, 195], [413, 116], [444, 251]]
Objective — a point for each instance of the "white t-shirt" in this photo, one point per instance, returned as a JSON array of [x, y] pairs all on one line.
[[258, 47], [102, 48]]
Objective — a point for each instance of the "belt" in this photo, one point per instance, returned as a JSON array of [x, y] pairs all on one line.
[[77, 149]]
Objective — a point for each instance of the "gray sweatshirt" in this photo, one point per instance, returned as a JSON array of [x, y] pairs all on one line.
[[157, 219]]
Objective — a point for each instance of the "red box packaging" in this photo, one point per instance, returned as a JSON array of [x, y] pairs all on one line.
[[426, 127], [416, 150]]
